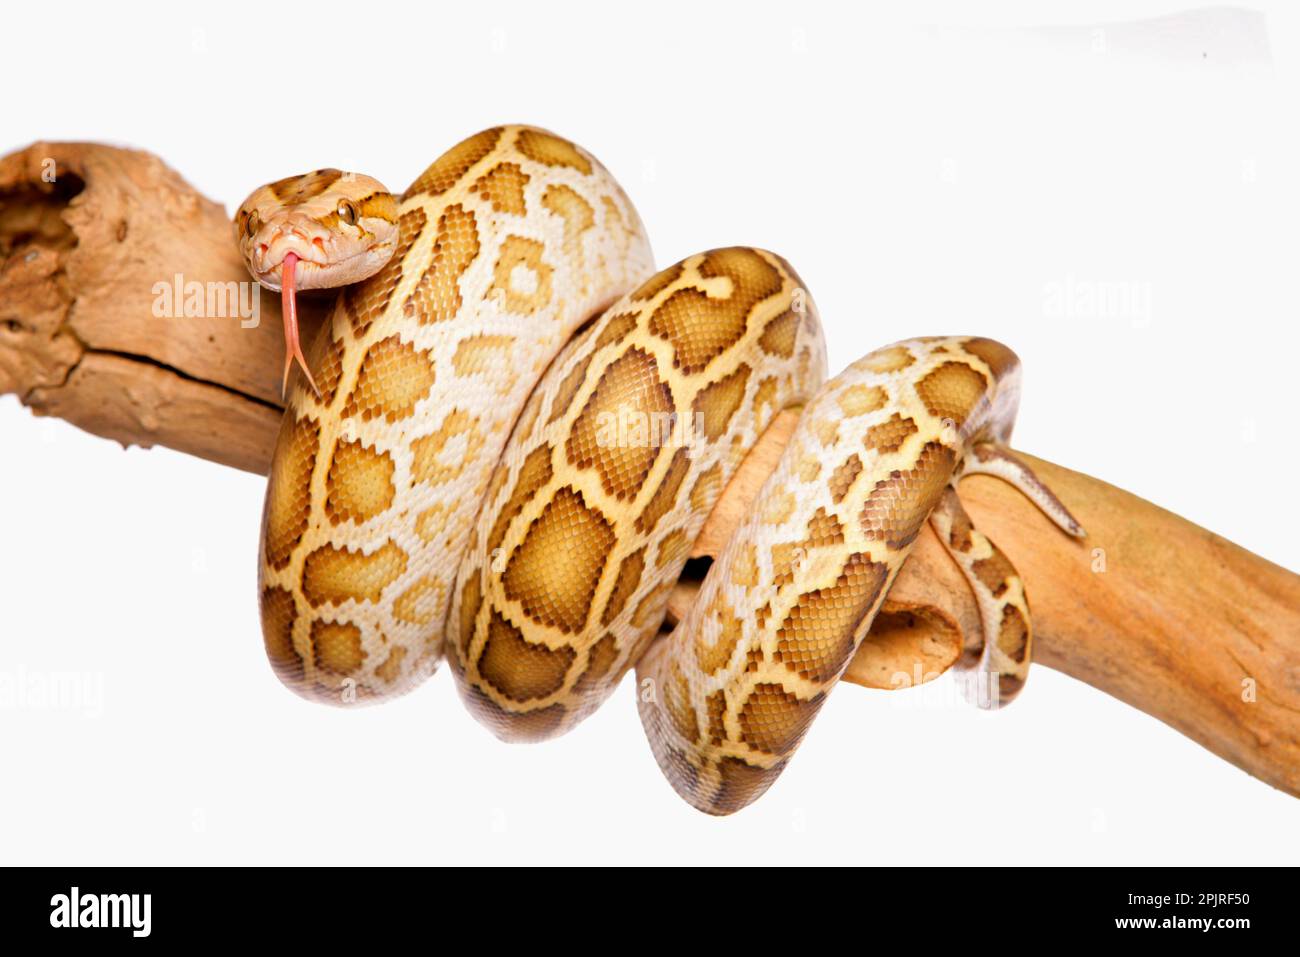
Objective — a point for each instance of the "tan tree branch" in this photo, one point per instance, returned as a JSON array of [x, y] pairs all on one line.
[[1150, 608]]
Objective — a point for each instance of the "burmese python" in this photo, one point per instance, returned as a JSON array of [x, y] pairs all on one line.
[[474, 468]]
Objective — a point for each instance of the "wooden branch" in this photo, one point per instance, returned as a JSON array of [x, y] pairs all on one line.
[[1150, 608], [1158, 612], [87, 233]]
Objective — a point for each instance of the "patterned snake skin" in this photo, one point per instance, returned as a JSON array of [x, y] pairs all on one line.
[[480, 475]]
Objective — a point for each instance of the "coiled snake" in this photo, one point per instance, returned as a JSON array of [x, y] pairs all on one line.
[[474, 468]]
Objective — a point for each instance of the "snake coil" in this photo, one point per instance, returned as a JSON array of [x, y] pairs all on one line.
[[480, 471]]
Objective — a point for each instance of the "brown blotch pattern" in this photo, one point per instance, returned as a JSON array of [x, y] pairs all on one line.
[[550, 150], [336, 647], [600, 659], [774, 720], [625, 582], [860, 399], [394, 376], [521, 257], [824, 529], [704, 493], [889, 435], [899, 505], [577, 214], [365, 302], [1000, 360], [674, 547], [289, 492], [447, 169], [893, 359], [827, 431], [297, 189], [278, 615], [616, 329], [1008, 687], [959, 524], [701, 328], [359, 485], [785, 556], [994, 572], [429, 523], [554, 572], [427, 452], [744, 571], [335, 575], [717, 402], [325, 359], [658, 282], [816, 638], [1013, 636], [416, 605], [716, 704], [436, 296], [677, 705], [471, 600], [650, 610], [665, 496], [567, 389], [534, 725], [952, 391], [519, 669], [533, 474], [809, 469], [842, 479], [478, 355], [741, 784], [779, 507], [780, 335], [503, 187], [715, 655], [617, 431], [378, 205]]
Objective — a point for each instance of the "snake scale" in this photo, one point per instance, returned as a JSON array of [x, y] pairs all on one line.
[[473, 467]]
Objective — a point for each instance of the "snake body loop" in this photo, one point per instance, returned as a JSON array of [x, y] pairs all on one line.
[[474, 479], [505, 245]]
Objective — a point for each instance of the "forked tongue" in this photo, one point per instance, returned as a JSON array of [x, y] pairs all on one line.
[[289, 307]]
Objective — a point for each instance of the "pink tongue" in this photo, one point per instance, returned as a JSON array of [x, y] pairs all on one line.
[[287, 278], [289, 306]]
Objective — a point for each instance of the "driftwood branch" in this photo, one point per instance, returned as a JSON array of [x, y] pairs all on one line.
[[1150, 608], [87, 235]]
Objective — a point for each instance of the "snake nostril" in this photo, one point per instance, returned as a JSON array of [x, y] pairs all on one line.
[[319, 243]]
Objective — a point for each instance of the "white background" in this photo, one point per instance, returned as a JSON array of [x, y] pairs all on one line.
[[956, 171]]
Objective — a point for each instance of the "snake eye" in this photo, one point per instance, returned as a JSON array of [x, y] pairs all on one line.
[[252, 224], [347, 212]]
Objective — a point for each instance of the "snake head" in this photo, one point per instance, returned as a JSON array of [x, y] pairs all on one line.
[[340, 227], [315, 231]]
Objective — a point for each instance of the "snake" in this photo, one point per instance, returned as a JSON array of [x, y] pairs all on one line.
[[510, 429]]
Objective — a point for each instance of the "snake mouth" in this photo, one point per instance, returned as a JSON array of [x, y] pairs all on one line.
[[317, 273], [309, 260]]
